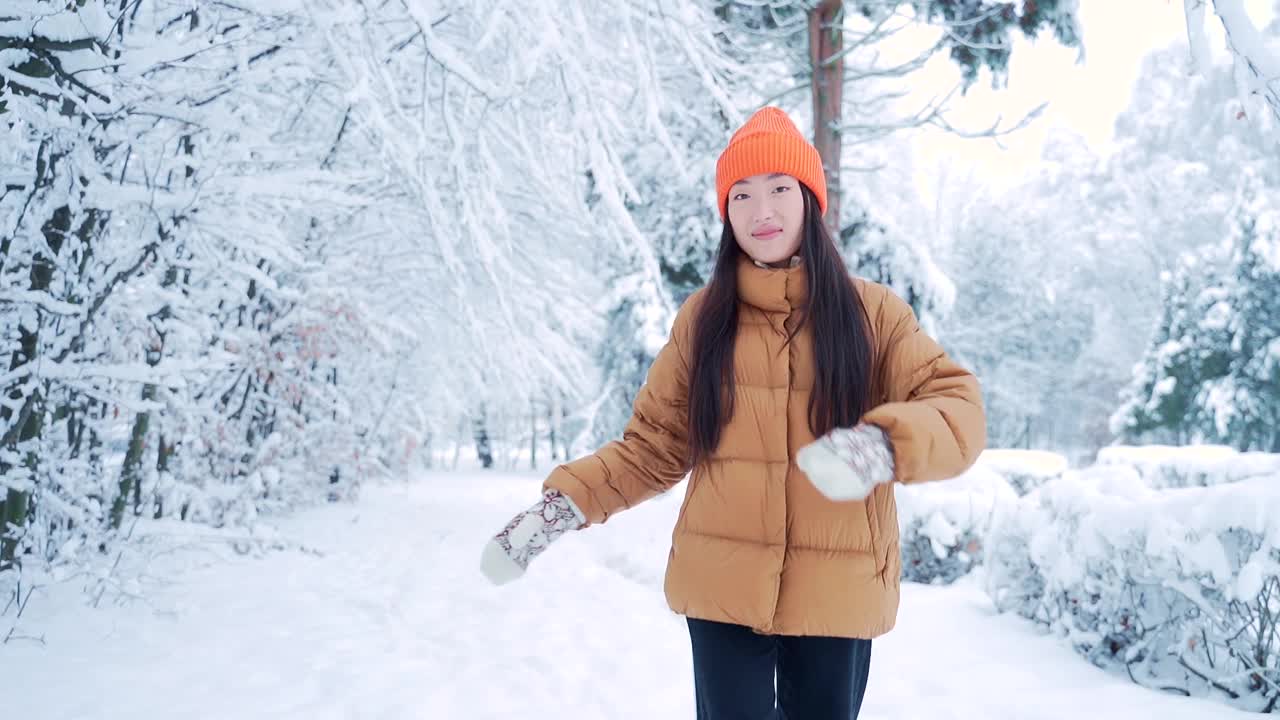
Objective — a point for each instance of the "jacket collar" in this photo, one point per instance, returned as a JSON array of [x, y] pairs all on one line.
[[772, 289]]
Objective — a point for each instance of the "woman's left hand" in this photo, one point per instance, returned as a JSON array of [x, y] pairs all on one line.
[[847, 463]]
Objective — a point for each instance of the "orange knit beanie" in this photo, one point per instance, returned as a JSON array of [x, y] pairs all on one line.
[[769, 143]]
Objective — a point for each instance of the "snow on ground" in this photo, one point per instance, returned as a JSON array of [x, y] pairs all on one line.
[[386, 616]]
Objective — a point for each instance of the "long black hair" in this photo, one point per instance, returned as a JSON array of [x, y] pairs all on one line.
[[841, 339]]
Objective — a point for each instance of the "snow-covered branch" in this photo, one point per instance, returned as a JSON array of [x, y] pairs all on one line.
[[1256, 58]]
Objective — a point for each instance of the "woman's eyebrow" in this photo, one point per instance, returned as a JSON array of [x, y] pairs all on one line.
[[772, 176]]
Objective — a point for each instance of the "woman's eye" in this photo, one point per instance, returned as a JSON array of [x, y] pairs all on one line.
[[739, 196], [781, 188]]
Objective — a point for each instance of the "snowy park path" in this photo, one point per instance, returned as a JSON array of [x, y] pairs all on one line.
[[386, 617]]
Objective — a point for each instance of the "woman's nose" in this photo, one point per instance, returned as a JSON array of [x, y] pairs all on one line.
[[762, 211]]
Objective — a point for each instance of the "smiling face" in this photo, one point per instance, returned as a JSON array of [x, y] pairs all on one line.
[[767, 214]]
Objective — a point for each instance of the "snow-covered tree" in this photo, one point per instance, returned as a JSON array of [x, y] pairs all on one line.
[[535, 179], [171, 320], [1022, 314], [1096, 233], [1212, 371]]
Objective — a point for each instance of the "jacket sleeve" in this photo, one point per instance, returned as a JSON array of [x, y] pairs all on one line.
[[934, 417], [652, 455]]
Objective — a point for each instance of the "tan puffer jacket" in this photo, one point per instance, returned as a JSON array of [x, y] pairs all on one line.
[[755, 542]]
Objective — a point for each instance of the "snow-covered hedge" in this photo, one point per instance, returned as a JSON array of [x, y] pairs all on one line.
[[1025, 470], [1179, 588], [943, 525], [1168, 466]]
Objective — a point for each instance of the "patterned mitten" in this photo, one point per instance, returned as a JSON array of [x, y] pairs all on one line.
[[508, 554], [846, 463]]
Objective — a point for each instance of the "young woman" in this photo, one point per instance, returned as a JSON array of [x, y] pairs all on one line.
[[794, 396]]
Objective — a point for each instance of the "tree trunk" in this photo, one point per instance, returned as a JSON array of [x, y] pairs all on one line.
[[826, 40], [480, 432], [163, 455], [553, 404], [457, 444], [30, 420], [130, 474], [533, 434]]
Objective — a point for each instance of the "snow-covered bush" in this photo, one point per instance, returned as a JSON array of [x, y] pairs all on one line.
[[943, 525], [1177, 587], [1168, 466], [1025, 470]]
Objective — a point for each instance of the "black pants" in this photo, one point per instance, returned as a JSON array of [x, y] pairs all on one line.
[[818, 678]]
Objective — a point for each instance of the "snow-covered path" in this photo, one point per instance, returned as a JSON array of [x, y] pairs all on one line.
[[390, 619]]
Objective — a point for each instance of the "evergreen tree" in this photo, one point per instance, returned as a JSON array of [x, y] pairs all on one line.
[[1212, 370], [1244, 407]]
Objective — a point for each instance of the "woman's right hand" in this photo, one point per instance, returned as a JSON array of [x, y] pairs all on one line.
[[508, 554]]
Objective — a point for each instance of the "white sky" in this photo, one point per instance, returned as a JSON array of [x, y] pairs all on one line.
[[1084, 97]]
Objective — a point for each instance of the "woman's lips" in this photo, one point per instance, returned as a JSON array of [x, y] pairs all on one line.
[[767, 233]]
